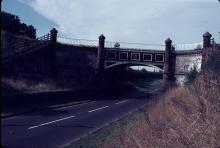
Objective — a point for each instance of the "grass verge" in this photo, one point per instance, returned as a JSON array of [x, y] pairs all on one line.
[[185, 116]]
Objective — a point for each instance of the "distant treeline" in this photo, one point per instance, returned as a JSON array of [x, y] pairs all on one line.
[[11, 23]]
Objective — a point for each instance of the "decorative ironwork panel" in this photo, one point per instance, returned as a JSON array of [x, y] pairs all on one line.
[[159, 57], [123, 55], [111, 55], [147, 57], [135, 56]]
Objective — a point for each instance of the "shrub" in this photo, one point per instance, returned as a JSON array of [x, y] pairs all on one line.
[[12, 23], [213, 63], [191, 76]]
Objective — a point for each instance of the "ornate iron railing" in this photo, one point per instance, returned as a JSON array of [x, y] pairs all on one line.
[[130, 46], [109, 44], [23, 47], [77, 42], [190, 46], [46, 37]]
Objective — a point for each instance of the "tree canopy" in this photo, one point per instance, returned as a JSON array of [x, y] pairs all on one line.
[[12, 23]]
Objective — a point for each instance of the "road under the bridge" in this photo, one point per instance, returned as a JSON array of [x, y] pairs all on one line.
[[58, 127]]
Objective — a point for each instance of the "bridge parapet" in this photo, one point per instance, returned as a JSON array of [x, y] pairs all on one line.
[[109, 44], [77, 42], [190, 52], [191, 46], [133, 57], [44, 37], [27, 46], [174, 59], [133, 46]]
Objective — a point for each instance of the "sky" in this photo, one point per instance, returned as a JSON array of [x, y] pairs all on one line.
[[139, 21]]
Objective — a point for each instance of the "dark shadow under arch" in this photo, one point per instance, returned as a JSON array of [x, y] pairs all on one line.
[[124, 65]]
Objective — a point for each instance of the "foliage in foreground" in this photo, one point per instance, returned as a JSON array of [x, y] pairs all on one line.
[[184, 117], [191, 76]]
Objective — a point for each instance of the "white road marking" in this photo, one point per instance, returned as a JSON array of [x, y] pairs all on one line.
[[75, 105], [121, 102], [50, 122], [98, 109]]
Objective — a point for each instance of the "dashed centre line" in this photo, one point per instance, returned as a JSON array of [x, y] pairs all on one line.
[[98, 109], [50, 122], [43, 124], [121, 102]]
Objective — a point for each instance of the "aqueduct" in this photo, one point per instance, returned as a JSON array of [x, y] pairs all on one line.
[[173, 62], [101, 57]]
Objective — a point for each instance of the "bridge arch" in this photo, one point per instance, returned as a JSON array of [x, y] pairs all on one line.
[[120, 65]]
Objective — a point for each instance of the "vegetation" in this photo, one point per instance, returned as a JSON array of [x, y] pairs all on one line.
[[129, 73], [11, 23], [191, 76], [185, 116], [213, 62]]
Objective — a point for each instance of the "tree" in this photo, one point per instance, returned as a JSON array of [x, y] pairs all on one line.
[[31, 31], [11, 23]]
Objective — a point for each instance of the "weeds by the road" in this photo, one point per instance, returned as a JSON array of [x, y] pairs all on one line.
[[15, 85], [186, 116]]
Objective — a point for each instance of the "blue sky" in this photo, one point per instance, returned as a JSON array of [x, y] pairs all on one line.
[[145, 21]]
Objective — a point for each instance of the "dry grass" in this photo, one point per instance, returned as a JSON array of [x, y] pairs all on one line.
[[13, 85], [183, 117]]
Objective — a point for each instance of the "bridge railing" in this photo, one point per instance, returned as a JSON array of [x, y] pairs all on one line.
[[77, 42], [46, 37], [190, 46], [109, 44], [138, 46], [22, 47]]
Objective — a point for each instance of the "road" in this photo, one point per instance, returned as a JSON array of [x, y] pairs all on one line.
[[55, 128]]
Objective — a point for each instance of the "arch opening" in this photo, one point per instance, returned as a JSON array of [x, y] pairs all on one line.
[[147, 66]]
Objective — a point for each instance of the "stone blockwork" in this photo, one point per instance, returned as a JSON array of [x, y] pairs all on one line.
[[175, 63], [37, 64], [82, 62], [76, 63], [50, 60], [169, 64], [29, 58], [184, 63]]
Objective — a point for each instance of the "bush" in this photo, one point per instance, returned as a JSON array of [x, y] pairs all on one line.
[[11, 23], [213, 63], [191, 76]]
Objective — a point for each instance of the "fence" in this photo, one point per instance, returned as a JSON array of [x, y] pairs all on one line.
[[23, 47], [190, 46], [109, 44], [138, 46], [77, 42], [46, 37]]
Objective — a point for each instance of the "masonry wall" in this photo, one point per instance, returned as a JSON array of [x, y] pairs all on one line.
[[35, 65], [8, 39], [76, 63], [184, 63], [63, 62]]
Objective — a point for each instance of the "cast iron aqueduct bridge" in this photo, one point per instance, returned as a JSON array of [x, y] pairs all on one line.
[[173, 62]]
